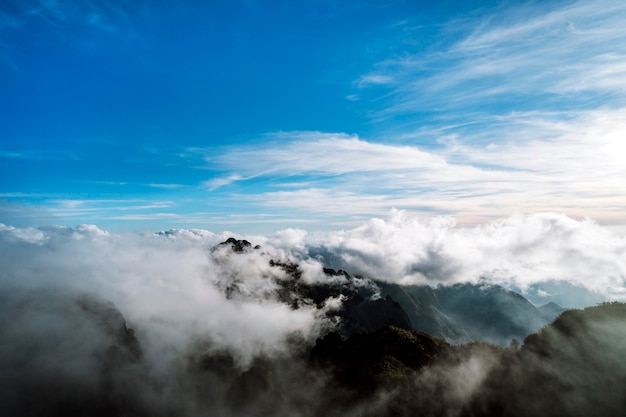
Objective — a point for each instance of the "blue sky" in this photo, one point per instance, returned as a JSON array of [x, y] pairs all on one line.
[[255, 116]]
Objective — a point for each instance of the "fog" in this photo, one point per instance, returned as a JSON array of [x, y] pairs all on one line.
[[176, 323], [173, 284]]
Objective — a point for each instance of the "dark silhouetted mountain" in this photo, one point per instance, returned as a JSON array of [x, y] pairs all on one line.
[[361, 315], [360, 311], [238, 246], [363, 361], [70, 355], [573, 367]]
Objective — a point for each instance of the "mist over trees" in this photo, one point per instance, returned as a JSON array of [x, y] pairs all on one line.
[[247, 329]]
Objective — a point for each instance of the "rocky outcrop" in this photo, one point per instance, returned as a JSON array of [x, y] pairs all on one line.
[[237, 246]]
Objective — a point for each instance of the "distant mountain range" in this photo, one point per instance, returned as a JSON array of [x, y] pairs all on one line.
[[466, 312], [459, 313]]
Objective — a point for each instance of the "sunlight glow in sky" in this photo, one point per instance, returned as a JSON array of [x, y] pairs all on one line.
[[261, 115]]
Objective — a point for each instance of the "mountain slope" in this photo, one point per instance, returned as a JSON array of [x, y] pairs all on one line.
[[573, 367], [464, 312]]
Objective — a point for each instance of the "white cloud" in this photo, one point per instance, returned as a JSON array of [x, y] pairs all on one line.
[[540, 52], [518, 251], [220, 182], [292, 153], [147, 216], [108, 209], [29, 235], [173, 286], [528, 163], [374, 79], [322, 201], [166, 186], [289, 239], [170, 287]]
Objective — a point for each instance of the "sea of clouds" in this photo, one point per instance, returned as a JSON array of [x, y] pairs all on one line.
[[183, 293], [173, 282]]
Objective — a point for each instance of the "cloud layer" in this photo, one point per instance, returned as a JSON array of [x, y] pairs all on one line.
[[174, 277], [519, 110], [567, 53], [516, 252], [531, 163], [172, 284], [477, 113]]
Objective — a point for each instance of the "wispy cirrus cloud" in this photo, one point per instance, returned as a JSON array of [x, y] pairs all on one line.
[[166, 186], [575, 167], [523, 111], [58, 18], [105, 16], [293, 153], [97, 208], [524, 57], [150, 216], [216, 183], [520, 109]]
